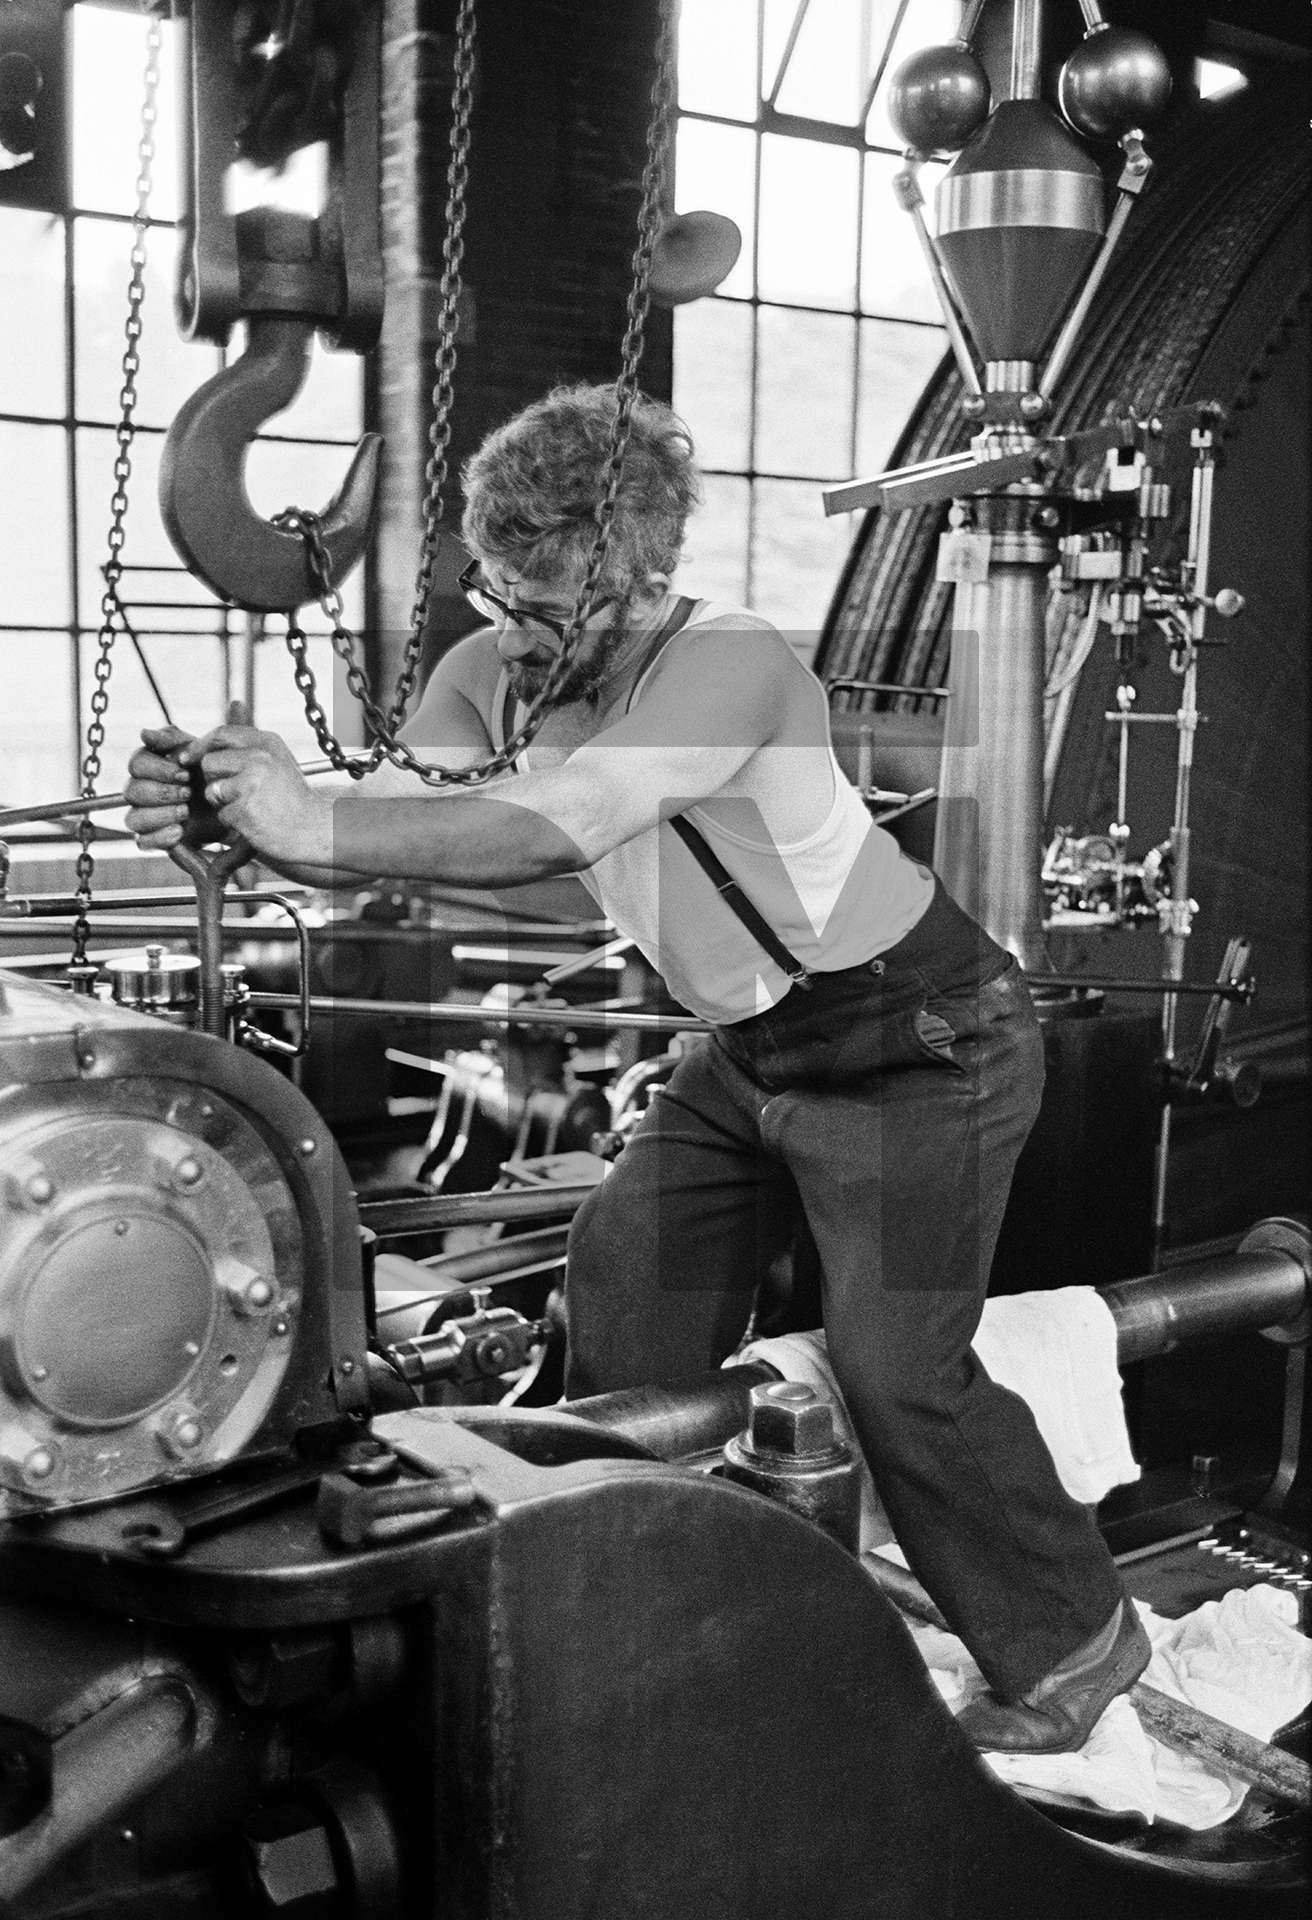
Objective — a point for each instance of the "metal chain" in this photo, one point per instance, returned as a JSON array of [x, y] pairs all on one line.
[[439, 431], [125, 431], [626, 392]]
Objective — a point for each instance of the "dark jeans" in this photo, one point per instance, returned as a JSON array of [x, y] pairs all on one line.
[[888, 1105]]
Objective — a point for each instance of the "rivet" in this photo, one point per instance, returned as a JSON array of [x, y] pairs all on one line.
[[346, 1366], [280, 1326], [39, 1464], [207, 1111], [40, 1373], [258, 1294], [188, 1172], [40, 1189], [307, 1147], [120, 1228], [86, 1061], [188, 1433], [190, 1348]]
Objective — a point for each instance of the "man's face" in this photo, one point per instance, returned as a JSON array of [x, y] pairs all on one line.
[[529, 647]]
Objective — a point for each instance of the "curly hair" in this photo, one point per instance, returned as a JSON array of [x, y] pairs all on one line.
[[532, 488]]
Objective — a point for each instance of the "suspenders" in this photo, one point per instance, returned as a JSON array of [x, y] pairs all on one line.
[[716, 872]]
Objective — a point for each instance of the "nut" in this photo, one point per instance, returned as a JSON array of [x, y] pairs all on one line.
[[787, 1417]]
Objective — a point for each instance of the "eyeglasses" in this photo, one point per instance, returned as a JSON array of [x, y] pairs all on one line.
[[481, 597]]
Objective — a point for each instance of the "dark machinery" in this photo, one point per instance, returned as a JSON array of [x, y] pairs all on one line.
[[265, 1654], [291, 1622]]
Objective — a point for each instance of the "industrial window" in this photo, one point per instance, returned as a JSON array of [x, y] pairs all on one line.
[[63, 304], [804, 365]]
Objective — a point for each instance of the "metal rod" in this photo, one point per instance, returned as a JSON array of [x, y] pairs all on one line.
[[1078, 314], [1026, 29], [793, 32], [557, 1019], [1230, 1293], [424, 1214], [1242, 990], [969, 22], [884, 59], [845, 685], [938, 275]]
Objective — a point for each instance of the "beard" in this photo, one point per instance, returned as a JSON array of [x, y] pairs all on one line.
[[588, 674]]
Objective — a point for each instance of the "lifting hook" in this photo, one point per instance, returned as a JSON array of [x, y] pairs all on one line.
[[202, 488]]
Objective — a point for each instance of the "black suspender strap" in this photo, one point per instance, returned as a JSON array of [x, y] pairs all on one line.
[[716, 872], [737, 902]]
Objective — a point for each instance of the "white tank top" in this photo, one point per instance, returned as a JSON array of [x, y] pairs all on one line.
[[836, 898]]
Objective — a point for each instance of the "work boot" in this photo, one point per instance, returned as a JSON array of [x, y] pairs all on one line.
[[1060, 1711]]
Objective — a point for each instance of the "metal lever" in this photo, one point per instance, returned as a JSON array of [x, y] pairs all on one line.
[[209, 873], [1203, 1067]]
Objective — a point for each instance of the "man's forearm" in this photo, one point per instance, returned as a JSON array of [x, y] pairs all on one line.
[[464, 840]]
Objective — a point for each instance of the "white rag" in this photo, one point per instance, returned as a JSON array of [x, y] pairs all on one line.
[[1241, 1659], [1056, 1350]]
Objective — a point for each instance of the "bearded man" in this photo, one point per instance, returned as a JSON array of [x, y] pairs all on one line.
[[875, 1063]]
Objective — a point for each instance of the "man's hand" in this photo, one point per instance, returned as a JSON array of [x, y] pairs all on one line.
[[259, 792], [164, 807]]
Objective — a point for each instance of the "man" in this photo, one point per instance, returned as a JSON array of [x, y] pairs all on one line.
[[875, 1067]]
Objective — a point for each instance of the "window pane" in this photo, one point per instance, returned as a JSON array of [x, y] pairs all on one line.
[[147, 546], [714, 566], [717, 58], [171, 368], [894, 368], [715, 168], [804, 392], [31, 312], [290, 474], [808, 223], [825, 74], [36, 744], [713, 379], [894, 278], [189, 673], [330, 406], [109, 62], [929, 23], [796, 558], [33, 525]]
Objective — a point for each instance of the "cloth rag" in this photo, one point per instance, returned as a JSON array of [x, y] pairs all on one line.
[[1056, 1350], [1241, 1659]]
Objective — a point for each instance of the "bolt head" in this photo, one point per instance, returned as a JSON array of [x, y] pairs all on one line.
[[188, 1433], [40, 1189], [973, 406], [306, 1148], [189, 1172], [259, 1295], [40, 1464], [787, 1417]]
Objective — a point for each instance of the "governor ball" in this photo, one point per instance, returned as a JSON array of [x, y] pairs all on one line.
[[1115, 79], [938, 98]]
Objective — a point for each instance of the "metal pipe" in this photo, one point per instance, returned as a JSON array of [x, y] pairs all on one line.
[[906, 187], [100, 1767], [1230, 1293], [989, 831], [1255, 1287]]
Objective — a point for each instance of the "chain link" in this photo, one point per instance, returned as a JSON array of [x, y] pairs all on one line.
[[125, 431], [386, 745]]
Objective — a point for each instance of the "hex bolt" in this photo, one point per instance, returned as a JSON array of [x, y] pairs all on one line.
[[788, 1417]]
